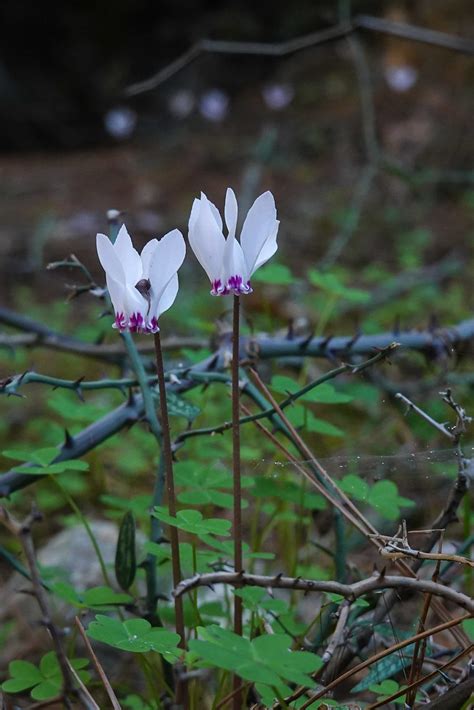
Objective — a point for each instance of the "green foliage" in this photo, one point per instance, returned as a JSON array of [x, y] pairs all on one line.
[[193, 521], [304, 419], [135, 702], [333, 286], [468, 627], [382, 495], [325, 393], [288, 491], [125, 557], [256, 598], [44, 681], [42, 459], [134, 635], [385, 689], [265, 660], [275, 274], [201, 485], [96, 598]]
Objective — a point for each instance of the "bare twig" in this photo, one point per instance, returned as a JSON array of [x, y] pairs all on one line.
[[396, 548], [22, 531], [337, 637], [440, 427], [100, 671], [281, 49], [348, 591]]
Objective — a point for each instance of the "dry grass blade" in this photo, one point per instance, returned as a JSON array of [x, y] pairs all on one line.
[[105, 681]]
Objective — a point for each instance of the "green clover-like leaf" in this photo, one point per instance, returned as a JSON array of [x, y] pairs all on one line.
[[135, 635]]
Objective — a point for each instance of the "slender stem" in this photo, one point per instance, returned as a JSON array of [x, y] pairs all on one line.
[[237, 492], [168, 462], [155, 536]]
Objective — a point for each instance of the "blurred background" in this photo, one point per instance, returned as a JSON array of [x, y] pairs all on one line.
[[367, 141]]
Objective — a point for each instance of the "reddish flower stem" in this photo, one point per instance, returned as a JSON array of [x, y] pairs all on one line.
[[181, 693], [237, 491]]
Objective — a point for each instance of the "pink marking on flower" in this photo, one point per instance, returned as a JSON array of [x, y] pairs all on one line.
[[236, 285], [120, 322], [136, 324], [152, 326], [218, 289]]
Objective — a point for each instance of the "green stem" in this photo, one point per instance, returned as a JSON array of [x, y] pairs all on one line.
[[168, 465]]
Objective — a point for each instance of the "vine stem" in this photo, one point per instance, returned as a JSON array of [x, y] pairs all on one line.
[[181, 691], [237, 491]]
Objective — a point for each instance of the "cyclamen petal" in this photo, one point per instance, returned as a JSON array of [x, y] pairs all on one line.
[[258, 228], [206, 238], [141, 286], [228, 264]]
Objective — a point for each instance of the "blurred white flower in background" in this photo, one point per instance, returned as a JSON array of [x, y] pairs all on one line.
[[214, 105], [401, 78], [181, 103], [120, 122], [278, 96]]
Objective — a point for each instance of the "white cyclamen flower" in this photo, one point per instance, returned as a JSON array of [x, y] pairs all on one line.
[[141, 286], [228, 264]]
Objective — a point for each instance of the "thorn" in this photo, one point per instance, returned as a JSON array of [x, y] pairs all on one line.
[[77, 387], [382, 573], [22, 376], [131, 400], [100, 339], [326, 342], [353, 340], [290, 334], [68, 440], [304, 343]]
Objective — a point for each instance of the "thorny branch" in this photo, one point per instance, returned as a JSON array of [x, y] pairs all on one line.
[[433, 342], [348, 591]]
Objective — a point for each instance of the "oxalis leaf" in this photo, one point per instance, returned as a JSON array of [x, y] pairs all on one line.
[[266, 659], [46, 681], [192, 521], [99, 598], [39, 462], [135, 635]]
